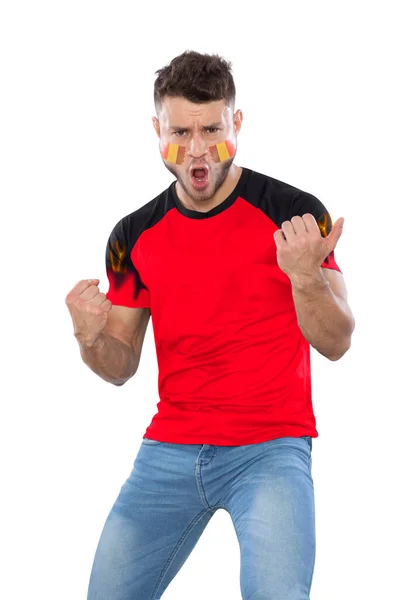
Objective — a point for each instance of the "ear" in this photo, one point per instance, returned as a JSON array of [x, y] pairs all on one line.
[[156, 125], [238, 120]]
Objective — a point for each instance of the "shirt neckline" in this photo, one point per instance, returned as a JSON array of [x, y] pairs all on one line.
[[196, 214]]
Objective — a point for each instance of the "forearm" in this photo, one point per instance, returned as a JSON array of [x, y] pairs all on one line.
[[109, 358], [324, 319]]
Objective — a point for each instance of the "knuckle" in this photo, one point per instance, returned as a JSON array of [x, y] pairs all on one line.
[[89, 308], [78, 303]]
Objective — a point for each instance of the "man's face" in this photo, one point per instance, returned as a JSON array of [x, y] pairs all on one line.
[[197, 135]]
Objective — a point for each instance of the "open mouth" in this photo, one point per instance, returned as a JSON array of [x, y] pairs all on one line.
[[199, 173], [199, 176]]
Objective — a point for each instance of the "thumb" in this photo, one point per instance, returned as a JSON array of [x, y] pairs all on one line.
[[336, 231]]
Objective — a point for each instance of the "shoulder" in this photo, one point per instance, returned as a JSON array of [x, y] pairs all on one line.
[[130, 226], [269, 187], [282, 200]]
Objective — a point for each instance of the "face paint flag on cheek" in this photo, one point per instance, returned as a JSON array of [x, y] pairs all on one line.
[[222, 151], [173, 153]]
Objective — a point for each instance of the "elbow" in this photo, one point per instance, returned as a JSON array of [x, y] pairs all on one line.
[[119, 382], [340, 351], [344, 344]]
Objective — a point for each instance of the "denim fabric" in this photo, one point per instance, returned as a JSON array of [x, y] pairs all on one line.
[[172, 493]]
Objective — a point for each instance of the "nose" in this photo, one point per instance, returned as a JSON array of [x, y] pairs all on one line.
[[197, 146]]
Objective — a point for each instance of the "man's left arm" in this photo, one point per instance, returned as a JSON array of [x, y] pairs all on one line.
[[323, 313], [304, 249]]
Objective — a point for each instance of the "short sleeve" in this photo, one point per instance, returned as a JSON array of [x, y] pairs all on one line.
[[302, 203], [125, 285]]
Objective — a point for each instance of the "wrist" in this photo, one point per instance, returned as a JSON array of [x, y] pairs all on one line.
[[312, 280]]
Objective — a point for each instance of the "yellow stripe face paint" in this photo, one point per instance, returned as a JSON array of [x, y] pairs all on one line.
[[222, 151], [173, 153]]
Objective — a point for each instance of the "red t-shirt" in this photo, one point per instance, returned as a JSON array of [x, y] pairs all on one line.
[[234, 367]]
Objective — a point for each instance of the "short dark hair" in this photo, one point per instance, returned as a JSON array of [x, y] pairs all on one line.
[[197, 77]]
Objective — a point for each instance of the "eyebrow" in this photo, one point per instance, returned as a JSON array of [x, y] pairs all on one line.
[[219, 124]]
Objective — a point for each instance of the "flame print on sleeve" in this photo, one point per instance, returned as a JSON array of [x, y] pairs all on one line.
[[222, 151], [325, 224], [126, 287], [117, 257], [325, 227]]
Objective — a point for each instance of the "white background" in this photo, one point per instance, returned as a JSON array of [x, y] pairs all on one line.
[[326, 89]]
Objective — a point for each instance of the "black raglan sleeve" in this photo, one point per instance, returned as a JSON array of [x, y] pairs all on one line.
[[125, 285]]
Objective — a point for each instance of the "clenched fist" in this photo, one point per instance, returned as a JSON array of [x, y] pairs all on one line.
[[89, 310], [300, 247]]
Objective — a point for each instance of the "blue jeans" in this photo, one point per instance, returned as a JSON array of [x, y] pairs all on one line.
[[171, 495]]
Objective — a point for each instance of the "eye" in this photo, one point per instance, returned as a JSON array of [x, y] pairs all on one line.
[[213, 129], [177, 133]]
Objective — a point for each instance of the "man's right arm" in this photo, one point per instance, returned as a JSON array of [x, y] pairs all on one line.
[[110, 336], [110, 358], [115, 354]]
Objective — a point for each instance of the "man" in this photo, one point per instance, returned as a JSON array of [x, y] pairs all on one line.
[[237, 270]]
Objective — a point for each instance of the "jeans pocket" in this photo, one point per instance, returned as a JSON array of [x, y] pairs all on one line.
[[149, 442]]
